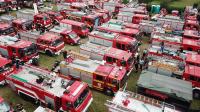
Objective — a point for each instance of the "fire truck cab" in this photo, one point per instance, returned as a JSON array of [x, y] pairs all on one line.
[[4, 106], [68, 36], [12, 47], [90, 20], [115, 40], [56, 17], [6, 68], [137, 18], [48, 89], [47, 43], [103, 77], [192, 34], [109, 54], [193, 59], [191, 25], [78, 27], [22, 24], [191, 74], [6, 29], [41, 21]]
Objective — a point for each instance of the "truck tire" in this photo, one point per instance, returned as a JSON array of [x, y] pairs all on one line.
[[49, 53], [196, 94]]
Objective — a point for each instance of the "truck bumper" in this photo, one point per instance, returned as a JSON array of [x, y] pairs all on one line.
[[89, 103]]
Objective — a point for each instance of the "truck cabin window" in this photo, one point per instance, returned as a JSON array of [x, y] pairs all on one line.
[[193, 78], [7, 31], [56, 42], [28, 50], [84, 27], [109, 59], [100, 78], [81, 98], [72, 35]]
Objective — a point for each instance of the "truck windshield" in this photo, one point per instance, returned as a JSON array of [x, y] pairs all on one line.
[[5, 68], [28, 50], [4, 107], [73, 35], [27, 25], [81, 98], [56, 42], [7, 31]]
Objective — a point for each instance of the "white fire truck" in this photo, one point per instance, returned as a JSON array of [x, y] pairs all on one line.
[[115, 40], [48, 89], [98, 75], [126, 101], [109, 54], [48, 43]]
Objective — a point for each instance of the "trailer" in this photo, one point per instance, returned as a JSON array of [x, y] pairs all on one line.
[[6, 68], [68, 36], [171, 90], [115, 40], [11, 47], [47, 43], [127, 101], [48, 89], [109, 54], [96, 74]]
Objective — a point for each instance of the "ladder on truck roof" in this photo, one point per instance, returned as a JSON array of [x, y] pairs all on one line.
[[139, 97]]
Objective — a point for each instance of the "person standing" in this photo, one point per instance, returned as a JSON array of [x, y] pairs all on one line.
[[162, 46], [64, 54]]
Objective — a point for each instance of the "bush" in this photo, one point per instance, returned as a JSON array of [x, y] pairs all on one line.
[[125, 1]]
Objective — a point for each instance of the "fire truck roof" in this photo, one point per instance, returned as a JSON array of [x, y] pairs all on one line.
[[112, 72], [87, 66], [58, 29], [192, 70], [191, 33], [107, 35], [72, 22], [118, 54], [4, 61], [51, 12], [13, 41], [191, 42], [20, 21], [49, 37], [42, 15], [138, 103], [167, 85], [193, 58], [4, 25], [126, 39], [29, 75]]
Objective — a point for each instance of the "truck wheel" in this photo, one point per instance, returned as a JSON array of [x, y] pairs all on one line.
[[196, 94], [49, 53], [109, 92]]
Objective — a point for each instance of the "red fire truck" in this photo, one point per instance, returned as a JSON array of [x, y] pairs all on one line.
[[191, 74], [103, 77], [113, 7], [22, 24], [4, 106], [191, 44], [116, 28], [90, 20], [193, 59], [68, 36], [47, 43], [6, 29], [192, 34], [109, 54], [48, 89], [56, 17], [191, 25], [113, 39], [41, 21], [12, 47], [5, 69], [78, 27]]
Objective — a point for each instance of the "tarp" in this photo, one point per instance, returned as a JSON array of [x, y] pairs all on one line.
[[173, 87]]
